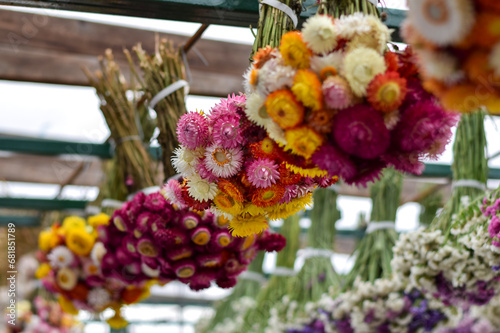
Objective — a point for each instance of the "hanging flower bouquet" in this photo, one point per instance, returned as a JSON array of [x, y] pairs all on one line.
[[71, 267], [151, 239], [51, 318], [342, 104], [457, 43], [237, 172]]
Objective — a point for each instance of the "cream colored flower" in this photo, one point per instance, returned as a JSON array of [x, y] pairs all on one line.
[[361, 65], [320, 34]]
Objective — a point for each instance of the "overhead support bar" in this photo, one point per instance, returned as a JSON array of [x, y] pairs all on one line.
[[238, 13]]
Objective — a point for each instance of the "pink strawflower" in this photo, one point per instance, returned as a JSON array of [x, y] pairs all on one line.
[[172, 191], [204, 173], [226, 132], [155, 202], [193, 131], [232, 105], [337, 93], [223, 162], [360, 131], [262, 173], [334, 161], [424, 128], [291, 192]]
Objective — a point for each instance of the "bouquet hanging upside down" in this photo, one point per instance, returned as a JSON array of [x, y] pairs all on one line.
[[337, 99], [234, 169]]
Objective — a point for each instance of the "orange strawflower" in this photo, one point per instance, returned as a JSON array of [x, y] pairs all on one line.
[[478, 69], [294, 51], [262, 56], [288, 177], [434, 86], [254, 76], [265, 197], [391, 61], [231, 188], [486, 31], [307, 88], [461, 98], [284, 109], [327, 71], [321, 120], [80, 292], [387, 91], [264, 149]]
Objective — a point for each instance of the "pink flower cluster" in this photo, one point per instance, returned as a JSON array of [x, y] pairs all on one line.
[[149, 238]]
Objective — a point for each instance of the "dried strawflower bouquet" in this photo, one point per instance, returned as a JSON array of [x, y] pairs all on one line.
[[343, 104]]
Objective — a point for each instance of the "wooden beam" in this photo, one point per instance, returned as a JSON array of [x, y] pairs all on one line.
[[239, 13], [48, 49]]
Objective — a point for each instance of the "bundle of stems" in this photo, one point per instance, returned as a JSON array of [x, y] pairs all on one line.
[[244, 288], [256, 319], [273, 24], [318, 276], [121, 114], [158, 71], [429, 207], [374, 251], [469, 163], [337, 8]]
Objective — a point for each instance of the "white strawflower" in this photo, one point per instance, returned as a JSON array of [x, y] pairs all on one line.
[[274, 75], [320, 34], [443, 22], [361, 65], [150, 272], [60, 257], [256, 110], [98, 298], [439, 65], [334, 59], [97, 253], [185, 160], [201, 189]]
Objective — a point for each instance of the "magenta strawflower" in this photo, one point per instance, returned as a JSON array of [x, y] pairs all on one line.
[[184, 268], [360, 131], [368, 171], [226, 132], [121, 221], [334, 161], [190, 220], [262, 173], [123, 256], [271, 241], [146, 247], [179, 252], [226, 282], [192, 130], [155, 202], [424, 128], [337, 93], [144, 221], [221, 239], [209, 260], [405, 162], [232, 267], [130, 245], [246, 257], [202, 279], [168, 238], [200, 236]]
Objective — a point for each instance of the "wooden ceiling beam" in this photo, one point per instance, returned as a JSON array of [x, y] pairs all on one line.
[[46, 49]]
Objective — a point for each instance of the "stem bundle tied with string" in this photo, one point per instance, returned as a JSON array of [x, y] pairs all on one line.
[[337, 8], [469, 167], [256, 318], [274, 23], [159, 71], [317, 276], [249, 285], [121, 114], [374, 251]]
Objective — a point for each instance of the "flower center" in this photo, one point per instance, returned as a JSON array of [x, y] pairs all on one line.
[[361, 132], [185, 272], [437, 11], [263, 112], [229, 131], [147, 249], [202, 187], [362, 72], [263, 173], [267, 146], [389, 93], [328, 71], [190, 223], [268, 195], [201, 238], [223, 240], [187, 156], [119, 223], [130, 248], [220, 157]]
